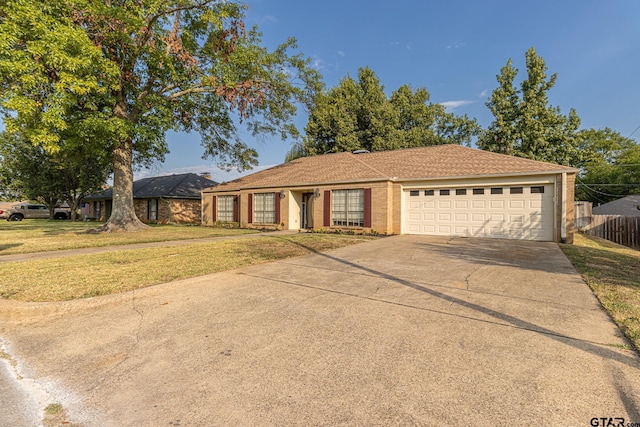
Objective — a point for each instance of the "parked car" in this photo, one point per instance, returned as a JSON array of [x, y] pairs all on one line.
[[20, 211]]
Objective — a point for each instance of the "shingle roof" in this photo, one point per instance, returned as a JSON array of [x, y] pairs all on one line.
[[627, 206], [414, 163], [181, 186]]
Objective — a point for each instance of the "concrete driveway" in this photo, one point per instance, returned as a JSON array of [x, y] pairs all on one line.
[[404, 330]]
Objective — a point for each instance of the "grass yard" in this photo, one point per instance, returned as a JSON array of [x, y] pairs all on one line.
[[84, 276], [613, 273], [37, 235]]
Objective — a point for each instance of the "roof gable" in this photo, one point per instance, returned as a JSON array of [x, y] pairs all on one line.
[[441, 161]]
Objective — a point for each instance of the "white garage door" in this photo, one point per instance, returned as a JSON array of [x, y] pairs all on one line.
[[511, 212]]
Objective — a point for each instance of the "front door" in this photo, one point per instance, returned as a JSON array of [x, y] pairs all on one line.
[[306, 213]]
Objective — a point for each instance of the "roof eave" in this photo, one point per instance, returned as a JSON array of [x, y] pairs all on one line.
[[391, 179]]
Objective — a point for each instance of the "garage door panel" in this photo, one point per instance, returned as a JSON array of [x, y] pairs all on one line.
[[444, 229], [460, 212], [478, 217]]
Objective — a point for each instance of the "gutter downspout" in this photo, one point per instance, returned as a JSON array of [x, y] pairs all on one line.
[[563, 209]]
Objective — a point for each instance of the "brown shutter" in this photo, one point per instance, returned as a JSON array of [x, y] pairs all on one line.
[[215, 209], [326, 221], [277, 200], [250, 209], [235, 208], [367, 207]]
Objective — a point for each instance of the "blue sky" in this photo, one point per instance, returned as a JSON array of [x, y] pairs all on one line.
[[454, 49]]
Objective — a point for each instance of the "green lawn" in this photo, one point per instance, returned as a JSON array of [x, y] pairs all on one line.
[[84, 276], [613, 273], [37, 235]]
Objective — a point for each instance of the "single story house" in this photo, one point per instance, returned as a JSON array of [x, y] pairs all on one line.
[[626, 206], [161, 199], [446, 190]]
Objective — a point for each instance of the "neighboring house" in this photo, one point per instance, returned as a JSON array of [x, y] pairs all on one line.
[[447, 190], [627, 206], [161, 199]]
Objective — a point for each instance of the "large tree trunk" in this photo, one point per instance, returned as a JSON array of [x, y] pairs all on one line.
[[123, 216]]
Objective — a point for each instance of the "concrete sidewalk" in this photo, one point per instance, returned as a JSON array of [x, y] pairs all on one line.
[[405, 330]]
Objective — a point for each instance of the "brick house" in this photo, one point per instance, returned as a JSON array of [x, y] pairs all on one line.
[[441, 190], [158, 200]]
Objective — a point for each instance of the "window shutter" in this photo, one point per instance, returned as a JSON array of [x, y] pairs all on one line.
[[250, 209], [367, 207], [214, 214], [235, 208], [326, 221], [277, 201]]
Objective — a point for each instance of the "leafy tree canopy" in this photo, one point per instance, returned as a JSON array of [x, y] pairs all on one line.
[[67, 175], [358, 115], [611, 167], [118, 75], [524, 124]]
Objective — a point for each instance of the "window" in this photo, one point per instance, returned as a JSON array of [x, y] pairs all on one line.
[[97, 209], [152, 209], [264, 208], [413, 193], [478, 191], [444, 192], [515, 190], [429, 192], [496, 190], [461, 191], [537, 189], [225, 208], [347, 208]]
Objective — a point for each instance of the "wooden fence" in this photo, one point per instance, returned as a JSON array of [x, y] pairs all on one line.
[[624, 230]]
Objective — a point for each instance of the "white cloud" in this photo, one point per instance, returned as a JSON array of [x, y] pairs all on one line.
[[452, 105], [318, 63], [267, 19], [456, 45], [483, 93], [341, 53]]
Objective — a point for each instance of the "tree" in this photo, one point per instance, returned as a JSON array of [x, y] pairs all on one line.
[[357, 115], [28, 171], [524, 124], [611, 166], [296, 151], [34, 173], [124, 73]]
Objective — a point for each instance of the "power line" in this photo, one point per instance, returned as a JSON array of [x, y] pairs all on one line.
[[609, 185], [634, 131]]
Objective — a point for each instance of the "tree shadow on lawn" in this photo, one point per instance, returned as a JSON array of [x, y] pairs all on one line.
[[9, 246]]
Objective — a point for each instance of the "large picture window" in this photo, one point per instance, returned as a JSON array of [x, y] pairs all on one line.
[[347, 208], [264, 208], [225, 208]]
